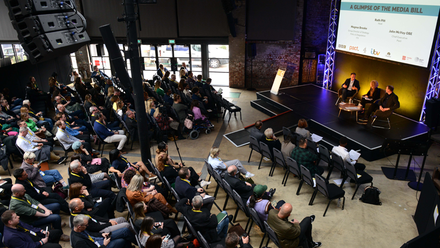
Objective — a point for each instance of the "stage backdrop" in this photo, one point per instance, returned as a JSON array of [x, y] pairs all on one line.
[[409, 82]]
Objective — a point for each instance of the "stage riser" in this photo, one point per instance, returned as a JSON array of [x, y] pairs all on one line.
[[272, 103], [264, 107]]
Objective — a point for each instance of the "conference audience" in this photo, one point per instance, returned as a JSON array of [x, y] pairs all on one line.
[[260, 201], [109, 136], [42, 152], [185, 190], [220, 167], [148, 225], [99, 207]]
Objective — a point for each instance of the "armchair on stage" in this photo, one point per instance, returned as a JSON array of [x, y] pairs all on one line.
[[350, 98]]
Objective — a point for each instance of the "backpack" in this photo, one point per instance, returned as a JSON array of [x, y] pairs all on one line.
[[371, 195], [58, 188]]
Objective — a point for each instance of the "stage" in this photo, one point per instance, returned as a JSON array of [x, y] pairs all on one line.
[[317, 105]]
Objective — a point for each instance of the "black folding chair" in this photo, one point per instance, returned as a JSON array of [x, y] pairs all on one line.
[[278, 159], [265, 152], [338, 163], [292, 167], [242, 206], [306, 177], [324, 155], [359, 177], [272, 235], [254, 145], [256, 218], [331, 191], [136, 233], [228, 191]]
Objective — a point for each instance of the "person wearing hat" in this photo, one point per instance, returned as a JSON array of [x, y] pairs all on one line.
[[260, 201]]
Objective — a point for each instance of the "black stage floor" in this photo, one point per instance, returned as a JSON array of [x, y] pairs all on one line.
[[317, 105]]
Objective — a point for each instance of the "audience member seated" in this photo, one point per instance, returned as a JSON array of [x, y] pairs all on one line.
[[167, 98], [78, 131], [260, 201], [345, 155], [256, 131], [88, 102], [5, 195], [271, 141], [244, 189], [183, 74], [98, 223], [135, 194], [41, 120], [304, 156], [73, 109], [32, 211], [108, 135], [190, 79], [372, 95], [66, 139], [148, 225], [119, 164], [92, 164], [114, 125], [207, 85], [38, 193], [220, 167], [18, 234], [301, 129], [79, 174], [199, 82], [38, 177], [185, 190], [76, 116], [287, 146], [198, 116], [197, 96], [42, 152], [291, 233], [99, 207], [170, 171], [173, 83], [147, 186], [94, 177], [150, 107], [233, 240], [181, 109], [120, 106], [202, 220], [40, 131], [81, 238], [162, 226]]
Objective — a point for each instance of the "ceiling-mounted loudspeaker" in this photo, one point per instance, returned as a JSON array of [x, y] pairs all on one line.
[[47, 28]]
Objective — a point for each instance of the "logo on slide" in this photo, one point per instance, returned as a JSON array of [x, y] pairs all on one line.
[[388, 55], [342, 46], [353, 48], [365, 50], [403, 57], [417, 59], [375, 52]]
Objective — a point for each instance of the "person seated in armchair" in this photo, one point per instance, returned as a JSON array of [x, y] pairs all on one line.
[[387, 104], [350, 86]]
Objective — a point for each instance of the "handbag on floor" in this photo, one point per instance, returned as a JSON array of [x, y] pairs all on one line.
[[371, 195]]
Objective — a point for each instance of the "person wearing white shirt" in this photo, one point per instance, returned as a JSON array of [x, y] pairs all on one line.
[[42, 152], [220, 167], [32, 136], [345, 155]]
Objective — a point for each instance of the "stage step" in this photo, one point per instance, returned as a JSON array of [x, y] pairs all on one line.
[[265, 107]]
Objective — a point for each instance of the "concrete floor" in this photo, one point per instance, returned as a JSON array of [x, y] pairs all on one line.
[[358, 225]]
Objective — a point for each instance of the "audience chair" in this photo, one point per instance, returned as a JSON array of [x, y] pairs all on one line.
[[338, 163], [292, 167], [228, 190], [359, 177], [272, 235], [19, 150], [306, 177], [254, 145], [217, 177], [265, 152], [202, 240], [287, 132], [190, 227], [324, 155], [136, 233], [232, 108], [349, 97], [278, 159], [130, 214], [331, 191], [312, 146], [256, 218], [242, 206]]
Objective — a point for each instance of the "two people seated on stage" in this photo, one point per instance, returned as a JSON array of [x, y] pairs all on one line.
[[350, 87], [384, 108]]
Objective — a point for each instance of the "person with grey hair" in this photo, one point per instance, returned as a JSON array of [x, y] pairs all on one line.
[[202, 220], [220, 166], [38, 177], [78, 174], [82, 238], [271, 140], [98, 223], [42, 152]]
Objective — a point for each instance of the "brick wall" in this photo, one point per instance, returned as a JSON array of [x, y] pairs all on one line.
[[316, 18], [271, 55]]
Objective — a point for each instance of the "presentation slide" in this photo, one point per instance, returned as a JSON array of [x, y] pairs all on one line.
[[396, 30]]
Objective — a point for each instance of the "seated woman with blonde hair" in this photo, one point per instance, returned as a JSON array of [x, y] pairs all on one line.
[[135, 194]]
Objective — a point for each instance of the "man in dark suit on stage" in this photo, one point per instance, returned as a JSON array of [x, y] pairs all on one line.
[[387, 104], [350, 86]]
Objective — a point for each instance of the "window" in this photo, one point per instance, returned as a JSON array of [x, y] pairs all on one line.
[[148, 54], [218, 62], [196, 59], [15, 52], [100, 58]]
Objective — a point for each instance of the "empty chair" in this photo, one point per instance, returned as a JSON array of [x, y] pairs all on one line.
[[272, 235], [292, 167], [359, 177], [265, 152], [306, 177], [278, 159], [324, 155], [242, 206], [257, 220], [331, 191], [228, 190], [338, 163], [254, 145], [287, 132], [217, 177]]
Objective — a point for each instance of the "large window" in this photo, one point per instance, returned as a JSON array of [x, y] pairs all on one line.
[[14, 52], [99, 57], [218, 64], [196, 59], [148, 54]]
